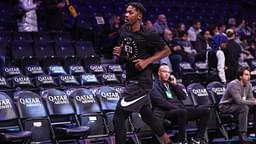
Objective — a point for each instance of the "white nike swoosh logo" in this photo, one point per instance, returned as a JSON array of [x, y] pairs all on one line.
[[125, 103]]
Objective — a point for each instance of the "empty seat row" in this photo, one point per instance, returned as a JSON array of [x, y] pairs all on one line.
[[34, 36], [59, 116], [63, 81], [56, 70]]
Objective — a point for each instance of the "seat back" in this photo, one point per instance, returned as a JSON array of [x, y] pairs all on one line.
[[11, 71], [76, 70], [62, 36], [89, 111], [115, 68], [7, 109], [108, 98], [42, 36], [22, 82], [33, 115], [89, 79], [21, 49], [84, 49], [186, 67], [57, 102], [96, 69], [43, 49], [22, 36], [84, 101], [68, 81], [4, 84], [64, 49], [32, 71], [216, 91], [29, 105], [45, 81], [188, 100], [201, 67], [109, 79], [199, 94], [56, 70]]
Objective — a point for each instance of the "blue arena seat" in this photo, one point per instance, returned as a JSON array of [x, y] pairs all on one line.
[[89, 113], [34, 116], [10, 128], [62, 116]]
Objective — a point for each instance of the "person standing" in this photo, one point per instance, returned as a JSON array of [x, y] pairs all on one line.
[[28, 20], [139, 48], [232, 55]]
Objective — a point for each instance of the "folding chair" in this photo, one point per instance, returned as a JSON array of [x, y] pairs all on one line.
[[216, 91], [62, 117], [11, 130], [22, 53], [108, 98], [89, 113], [34, 116]]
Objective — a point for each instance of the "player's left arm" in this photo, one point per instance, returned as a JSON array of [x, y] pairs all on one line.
[[143, 63]]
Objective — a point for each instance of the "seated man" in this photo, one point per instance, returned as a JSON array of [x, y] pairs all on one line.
[[236, 100], [166, 96]]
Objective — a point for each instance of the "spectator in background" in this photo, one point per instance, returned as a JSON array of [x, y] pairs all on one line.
[[244, 29], [148, 25], [179, 28], [28, 18], [166, 96], [202, 44], [245, 47], [231, 22], [189, 52], [176, 56], [252, 48], [160, 24], [236, 100], [221, 62], [51, 14], [219, 36], [232, 55], [193, 31], [111, 33]]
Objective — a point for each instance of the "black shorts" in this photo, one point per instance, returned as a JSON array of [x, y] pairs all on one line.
[[134, 97]]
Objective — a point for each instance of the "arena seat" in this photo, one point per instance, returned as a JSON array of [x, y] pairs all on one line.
[[89, 113], [188, 73], [23, 54], [10, 128], [42, 36], [34, 116], [66, 52], [62, 117], [23, 36], [61, 36], [76, 70], [33, 71], [11, 71], [216, 91], [68, 81], [108, 98], [45, 81], [109, 79], [89, 79], [22, 82], [56, 70]]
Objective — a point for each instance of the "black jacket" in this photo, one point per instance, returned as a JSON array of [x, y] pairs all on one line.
[[159, 98]]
